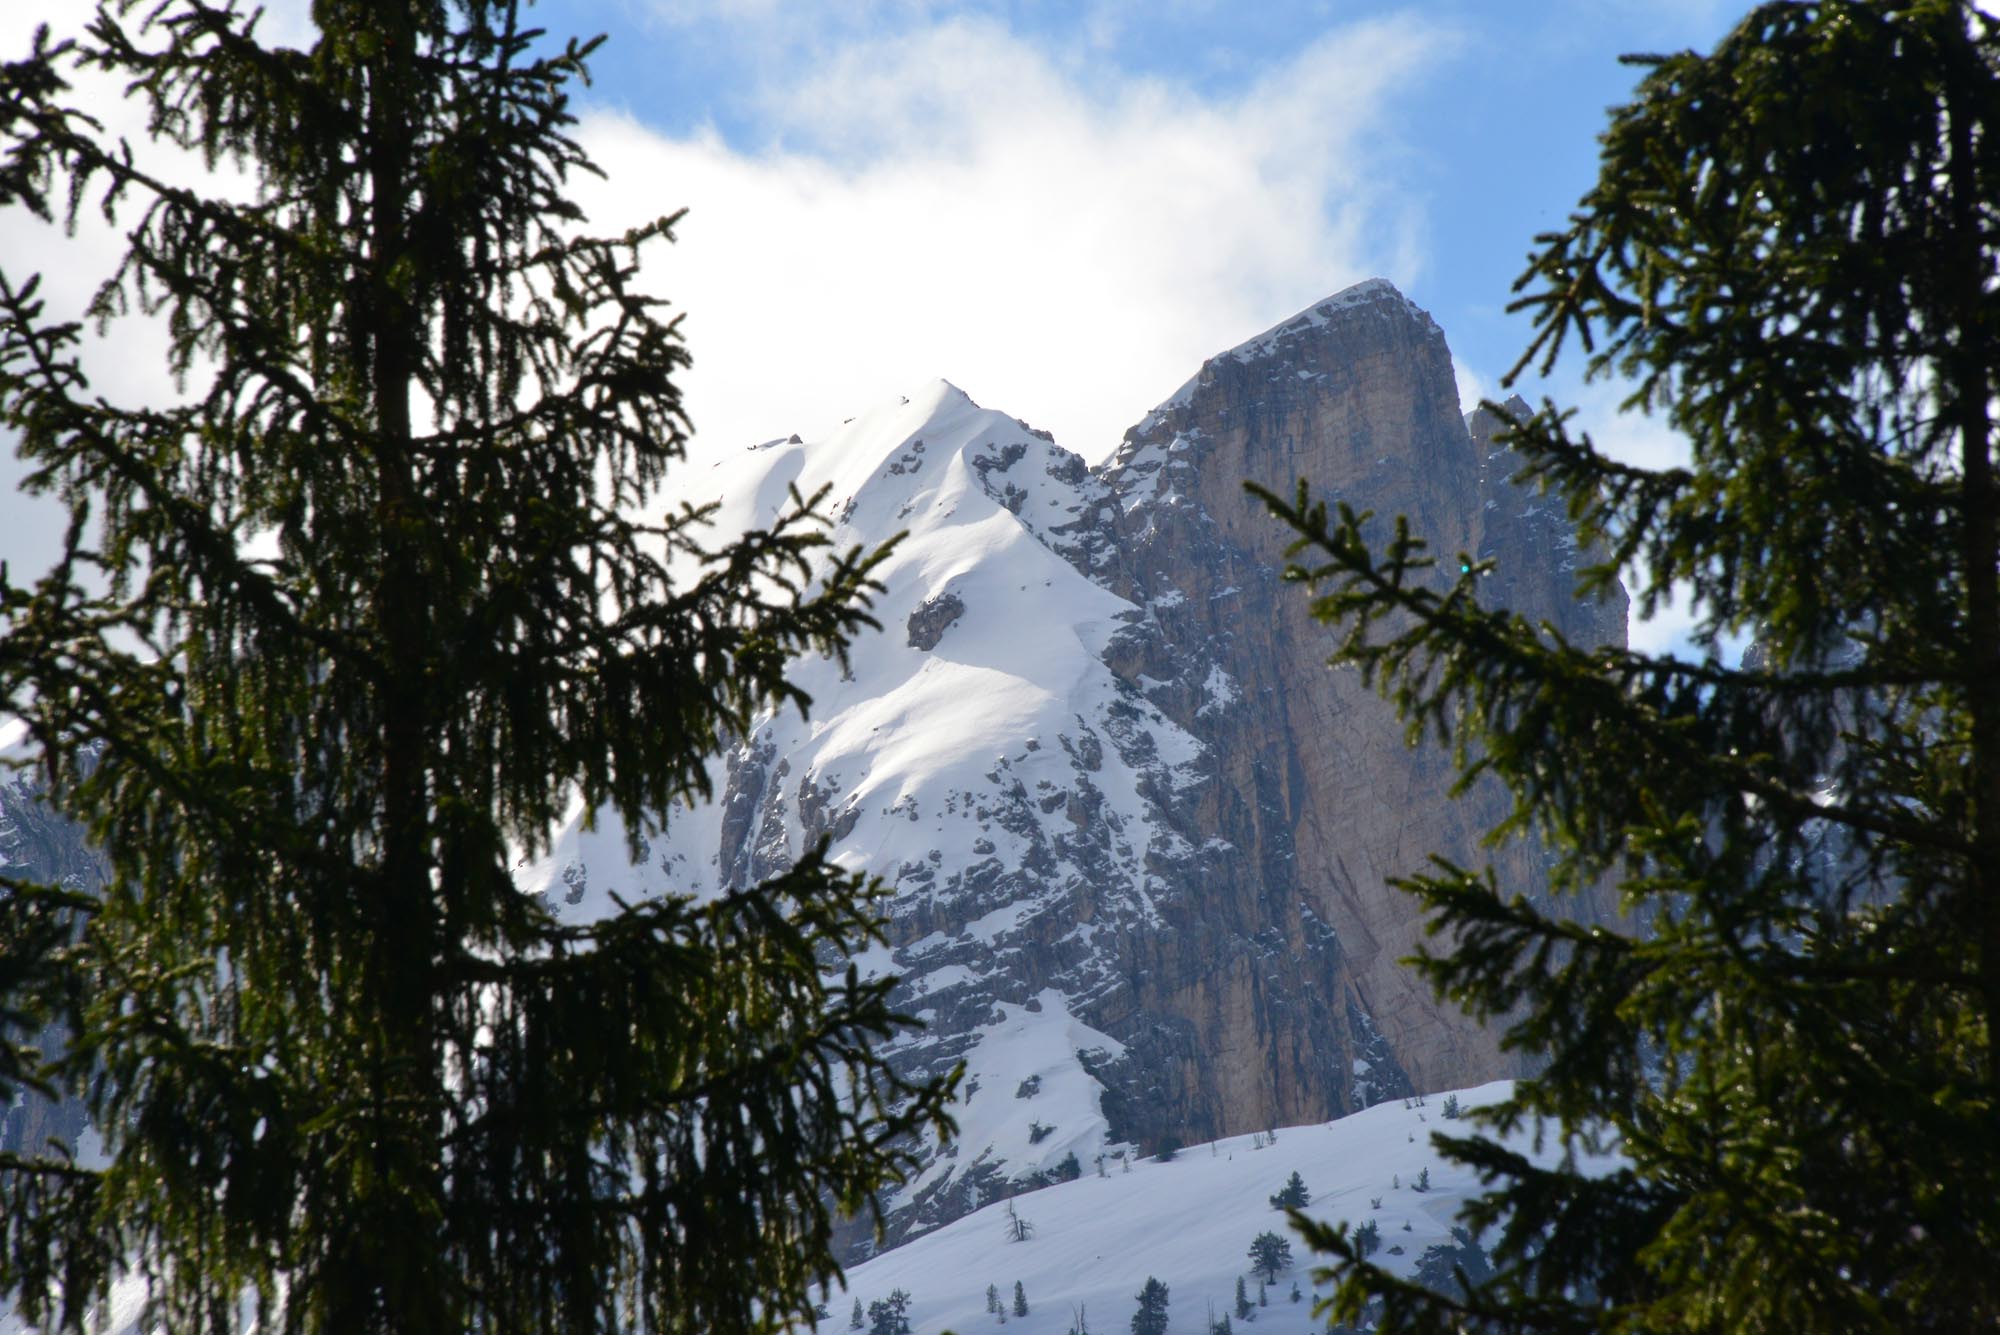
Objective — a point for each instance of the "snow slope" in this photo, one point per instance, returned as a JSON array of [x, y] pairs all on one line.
[[905, 721], [1188, 1223]]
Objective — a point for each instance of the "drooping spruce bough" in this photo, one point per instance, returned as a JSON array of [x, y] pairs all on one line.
[[1791, 256], [344, 632]]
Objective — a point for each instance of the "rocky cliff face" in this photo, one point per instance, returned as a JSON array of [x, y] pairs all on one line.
[[1309, 776]]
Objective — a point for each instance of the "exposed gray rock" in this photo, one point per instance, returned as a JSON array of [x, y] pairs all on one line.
[[930, 621]]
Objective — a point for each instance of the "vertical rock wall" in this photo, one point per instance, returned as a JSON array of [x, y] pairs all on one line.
[[1312, 777]]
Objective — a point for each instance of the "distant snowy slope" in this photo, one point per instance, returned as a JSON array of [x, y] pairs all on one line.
[[1189, 1224]]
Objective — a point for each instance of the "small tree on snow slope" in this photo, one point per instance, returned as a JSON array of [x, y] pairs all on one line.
[[1151, 1318], [891, 1315], [1293, 1195], [1269, 1254]]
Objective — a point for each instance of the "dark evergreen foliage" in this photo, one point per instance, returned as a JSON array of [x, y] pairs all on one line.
[[1790, 252], [1020, 1299], [1269, 1254], [1456, 1268], [1151, 1318], [891, 1315], [347, 631], [1293, 1195]]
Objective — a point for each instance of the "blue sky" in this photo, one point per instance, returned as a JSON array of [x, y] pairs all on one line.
[[1485, 136], [1061, 207]]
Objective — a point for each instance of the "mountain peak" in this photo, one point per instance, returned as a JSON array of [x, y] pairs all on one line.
[[1370, 292], [1357, 303]]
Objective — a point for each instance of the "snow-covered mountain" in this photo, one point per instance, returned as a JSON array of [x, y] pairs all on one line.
[[1138, 835]]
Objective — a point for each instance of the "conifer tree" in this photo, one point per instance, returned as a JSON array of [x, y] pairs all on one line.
[[1269, 1254], [1790, 1037], [1293, 1195], [1020, 1299], [891, 1315], [1151, 1318], [333, 642]]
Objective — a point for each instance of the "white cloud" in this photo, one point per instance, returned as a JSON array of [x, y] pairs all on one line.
[[954, 201], [938, 197], [1473, 388]]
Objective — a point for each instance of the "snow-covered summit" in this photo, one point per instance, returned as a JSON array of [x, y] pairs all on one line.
[[1005, 670]]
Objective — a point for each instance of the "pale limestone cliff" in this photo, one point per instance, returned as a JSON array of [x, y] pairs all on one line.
[[1312, 775]]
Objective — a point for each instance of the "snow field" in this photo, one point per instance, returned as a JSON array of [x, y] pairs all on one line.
[[1188, 1223]]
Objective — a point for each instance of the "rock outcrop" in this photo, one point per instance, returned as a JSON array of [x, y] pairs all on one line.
[[1311, 777]]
